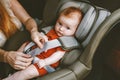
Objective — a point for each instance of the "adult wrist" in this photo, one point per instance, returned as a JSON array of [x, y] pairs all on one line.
[[31, 25], [33, 30]]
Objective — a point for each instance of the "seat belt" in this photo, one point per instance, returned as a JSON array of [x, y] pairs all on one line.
[[66, 42]]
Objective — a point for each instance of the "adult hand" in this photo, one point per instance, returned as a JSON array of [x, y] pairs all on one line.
[[39, 38], [36, 36], [18, 60]]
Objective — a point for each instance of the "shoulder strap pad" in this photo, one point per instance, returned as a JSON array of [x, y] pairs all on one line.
[[68, 42]]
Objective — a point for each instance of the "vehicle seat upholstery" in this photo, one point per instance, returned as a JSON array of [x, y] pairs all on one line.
[[105, 42], [77, 64]]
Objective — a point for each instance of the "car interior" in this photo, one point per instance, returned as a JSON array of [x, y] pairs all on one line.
[[98, 28]]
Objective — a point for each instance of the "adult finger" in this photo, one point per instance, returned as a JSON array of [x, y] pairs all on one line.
[[24, 55], [40, 43], [21, 65], [22, 47], [25, 60]]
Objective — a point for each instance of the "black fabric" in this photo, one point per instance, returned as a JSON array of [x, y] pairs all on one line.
[[15, 41], [5, 69]]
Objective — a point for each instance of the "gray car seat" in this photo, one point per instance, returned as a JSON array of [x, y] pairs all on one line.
[[76, 65], [105, 41]]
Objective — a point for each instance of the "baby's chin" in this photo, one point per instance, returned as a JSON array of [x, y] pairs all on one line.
[[59, 34]]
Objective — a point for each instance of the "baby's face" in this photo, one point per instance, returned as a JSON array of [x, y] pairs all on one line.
[[66, 26]]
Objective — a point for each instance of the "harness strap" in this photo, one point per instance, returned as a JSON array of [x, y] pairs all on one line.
[[27, 49], [34, 51], [48, 68], [66, 42]]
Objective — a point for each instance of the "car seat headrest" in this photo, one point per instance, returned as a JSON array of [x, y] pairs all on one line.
[[88, 19], [92, 19], [90, 16]]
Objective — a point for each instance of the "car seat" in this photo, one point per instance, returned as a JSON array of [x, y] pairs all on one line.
[[76, 65]]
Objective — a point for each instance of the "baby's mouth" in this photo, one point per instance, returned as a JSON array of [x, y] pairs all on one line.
[[59, 33]]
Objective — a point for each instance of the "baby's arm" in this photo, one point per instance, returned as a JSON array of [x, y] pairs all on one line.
[[52, 59], [25, 74]]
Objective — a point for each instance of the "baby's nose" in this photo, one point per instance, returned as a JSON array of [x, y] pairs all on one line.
[[62, 28]]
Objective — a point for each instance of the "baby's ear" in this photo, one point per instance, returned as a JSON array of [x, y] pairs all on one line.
[[22, 47]]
